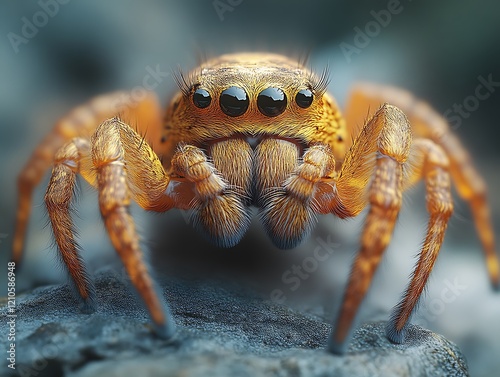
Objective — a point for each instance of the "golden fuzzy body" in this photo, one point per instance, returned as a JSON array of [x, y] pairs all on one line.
[[254, 72], [257, 129]]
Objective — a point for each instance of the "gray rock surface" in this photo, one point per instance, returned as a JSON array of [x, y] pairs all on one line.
[[223, 331]]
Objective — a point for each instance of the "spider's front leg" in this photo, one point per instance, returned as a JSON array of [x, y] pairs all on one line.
[[387, 138], [122, 166]]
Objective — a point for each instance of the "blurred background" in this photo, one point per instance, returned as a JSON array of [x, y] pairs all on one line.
[[441, 51]]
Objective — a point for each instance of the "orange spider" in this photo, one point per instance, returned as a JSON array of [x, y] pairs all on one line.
[[257, 129]]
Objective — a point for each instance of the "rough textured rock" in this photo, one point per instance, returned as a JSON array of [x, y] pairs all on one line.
[[223, 331]]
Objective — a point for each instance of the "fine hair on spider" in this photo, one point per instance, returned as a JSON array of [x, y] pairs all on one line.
[[264, 133]]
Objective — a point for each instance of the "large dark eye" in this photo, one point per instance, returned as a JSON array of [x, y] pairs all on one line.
[[271, 102], [234, 101], [201, 98], [304, 98]]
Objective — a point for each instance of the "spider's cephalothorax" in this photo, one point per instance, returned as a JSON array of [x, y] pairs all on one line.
[[257, 130], [253, 116]]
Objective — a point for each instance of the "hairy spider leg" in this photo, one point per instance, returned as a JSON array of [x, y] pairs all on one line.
[[427, 123], [387, 138], [128, 167], [82, 121], [430, 163], [121, 166], [60, 191]]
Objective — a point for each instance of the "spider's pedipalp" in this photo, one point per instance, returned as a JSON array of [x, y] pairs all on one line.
[[220, 213], [288, 209]]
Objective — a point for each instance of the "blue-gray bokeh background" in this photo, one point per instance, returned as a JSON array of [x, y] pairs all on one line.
[[435, 49]]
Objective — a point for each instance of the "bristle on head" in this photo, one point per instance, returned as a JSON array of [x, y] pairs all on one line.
[[319, 83], [183, 82]]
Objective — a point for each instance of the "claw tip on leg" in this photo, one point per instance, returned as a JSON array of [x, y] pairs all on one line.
[[16, 253], [493, 267], [336, 348], [393, 334], [88, 305], [86, 295], [164, 326], [166, 330], [337, 343]]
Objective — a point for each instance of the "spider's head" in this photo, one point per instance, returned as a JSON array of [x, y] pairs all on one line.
[[251, 94]]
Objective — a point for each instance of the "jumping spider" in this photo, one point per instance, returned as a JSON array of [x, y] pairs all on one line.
[[260, 130]]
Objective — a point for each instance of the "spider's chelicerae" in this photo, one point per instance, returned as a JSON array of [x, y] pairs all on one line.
[[257, 130]]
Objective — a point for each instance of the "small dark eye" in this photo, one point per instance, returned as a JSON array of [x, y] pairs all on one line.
[[234, 101], [201, 98], [271, 102], [304, 98]]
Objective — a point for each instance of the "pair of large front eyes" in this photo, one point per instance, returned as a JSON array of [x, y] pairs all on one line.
[[234, 100]]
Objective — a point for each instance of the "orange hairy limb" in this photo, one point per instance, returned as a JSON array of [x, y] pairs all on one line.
[[102, 163], [143, 179], [387, 134], [80, 122], [430, 163], [427, 123], [58, 201], [257, 129], [288, 212]]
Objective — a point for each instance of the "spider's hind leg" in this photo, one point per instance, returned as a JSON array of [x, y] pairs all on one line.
[[58, 201], [427, 123], [81, 122], [379, 151], [430, 163]]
